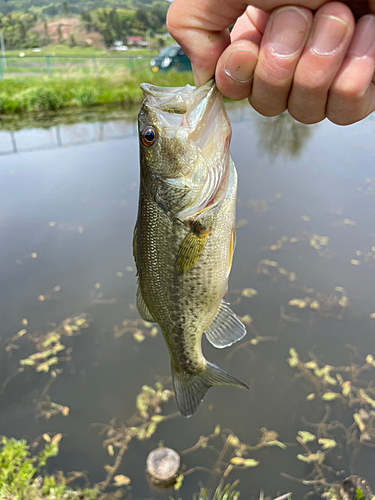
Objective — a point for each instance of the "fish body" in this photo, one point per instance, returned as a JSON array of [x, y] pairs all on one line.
[[184, 236]]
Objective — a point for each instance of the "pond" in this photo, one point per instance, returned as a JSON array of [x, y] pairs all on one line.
[[302, 280]]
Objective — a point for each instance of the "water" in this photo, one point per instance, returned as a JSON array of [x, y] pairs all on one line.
[[68, 202]]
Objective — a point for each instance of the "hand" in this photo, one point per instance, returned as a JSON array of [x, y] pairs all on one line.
[[316, 64]]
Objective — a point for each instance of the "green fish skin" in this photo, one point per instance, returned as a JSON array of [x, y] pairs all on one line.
[[184, 236]]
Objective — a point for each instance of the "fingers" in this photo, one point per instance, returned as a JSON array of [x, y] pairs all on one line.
[[324, 53], [282, 44], [200, 27], [314, 65], [352, 93], [235, 67]]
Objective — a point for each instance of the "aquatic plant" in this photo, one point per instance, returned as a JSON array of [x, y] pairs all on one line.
[[22, 476], [141, 426], [227, 492], [345, 394]]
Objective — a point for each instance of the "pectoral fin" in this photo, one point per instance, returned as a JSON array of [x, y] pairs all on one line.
[[191, 248], [142, 308], [226, 328]]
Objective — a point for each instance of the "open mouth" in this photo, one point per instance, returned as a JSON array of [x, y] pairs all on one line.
[[197, 116]]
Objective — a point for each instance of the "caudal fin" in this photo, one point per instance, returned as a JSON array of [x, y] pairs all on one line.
[[191, 389]]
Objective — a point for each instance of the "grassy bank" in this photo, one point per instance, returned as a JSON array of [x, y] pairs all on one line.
[[121, 87]]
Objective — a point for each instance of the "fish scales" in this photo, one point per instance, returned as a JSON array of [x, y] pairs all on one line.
[[184, 235]]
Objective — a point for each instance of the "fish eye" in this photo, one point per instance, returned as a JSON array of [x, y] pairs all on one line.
[[148, 135]]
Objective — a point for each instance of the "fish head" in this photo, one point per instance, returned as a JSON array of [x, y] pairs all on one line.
[[184, 136]]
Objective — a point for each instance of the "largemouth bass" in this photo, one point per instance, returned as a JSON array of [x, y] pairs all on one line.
[[184, 236]]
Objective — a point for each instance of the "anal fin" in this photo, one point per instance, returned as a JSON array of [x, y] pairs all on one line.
[[226, 328], [142, 308]]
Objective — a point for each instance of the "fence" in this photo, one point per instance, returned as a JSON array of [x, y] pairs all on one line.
[[56, 66]]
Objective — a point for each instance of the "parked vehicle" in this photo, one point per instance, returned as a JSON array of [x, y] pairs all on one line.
[[172, 57]]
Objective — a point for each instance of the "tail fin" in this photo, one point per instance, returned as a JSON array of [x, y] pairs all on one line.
[[191, 389]]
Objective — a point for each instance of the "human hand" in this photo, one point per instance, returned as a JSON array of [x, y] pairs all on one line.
[[316, 64]]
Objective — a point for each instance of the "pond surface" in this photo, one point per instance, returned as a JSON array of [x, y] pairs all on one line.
[[303, 277]]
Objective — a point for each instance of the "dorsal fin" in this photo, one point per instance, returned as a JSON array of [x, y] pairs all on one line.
[[226, 328]]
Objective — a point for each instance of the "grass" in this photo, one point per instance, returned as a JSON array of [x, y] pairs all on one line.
[[62, 65], [114, 86], [21, 474]]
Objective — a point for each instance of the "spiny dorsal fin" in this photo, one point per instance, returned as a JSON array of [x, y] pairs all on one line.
[[191, 248], [142, 308], [226, 328], [191, 389]]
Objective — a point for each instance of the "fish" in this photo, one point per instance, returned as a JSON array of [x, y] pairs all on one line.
[[184, 237]]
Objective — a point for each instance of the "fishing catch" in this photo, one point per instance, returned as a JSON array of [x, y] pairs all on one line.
[[184, 237]]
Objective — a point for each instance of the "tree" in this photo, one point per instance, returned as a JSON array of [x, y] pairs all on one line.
[[59, 34], [65, 8], [72, 40]]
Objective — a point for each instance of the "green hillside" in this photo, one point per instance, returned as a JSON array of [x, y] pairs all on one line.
[[52, 8], [31, 23]]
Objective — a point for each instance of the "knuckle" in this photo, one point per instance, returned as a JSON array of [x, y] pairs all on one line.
[[172, 22], [274, 82], [266, 108], [302, 117], [313, 85], [349, 92]]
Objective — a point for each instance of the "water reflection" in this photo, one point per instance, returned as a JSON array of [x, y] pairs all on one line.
[[282, 135], [275, 136], [58, 136], [302, 281]]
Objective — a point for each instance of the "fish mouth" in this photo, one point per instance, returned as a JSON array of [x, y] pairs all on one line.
[[198, 116], [176, 99]]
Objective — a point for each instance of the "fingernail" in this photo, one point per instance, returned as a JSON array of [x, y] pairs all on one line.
[[240, 65], [287, 31], [328, 34], [364, 38]]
